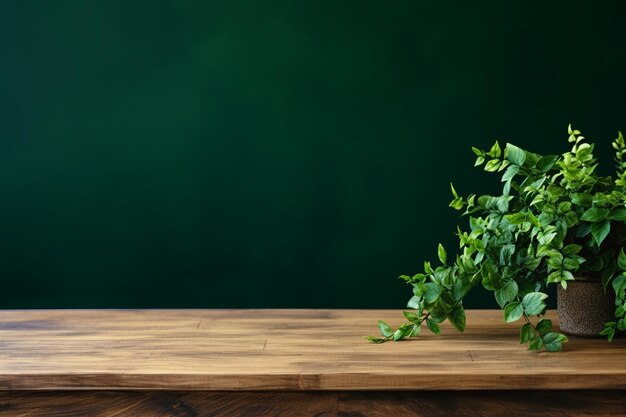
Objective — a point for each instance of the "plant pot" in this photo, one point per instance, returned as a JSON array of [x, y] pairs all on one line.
[[584, 307]]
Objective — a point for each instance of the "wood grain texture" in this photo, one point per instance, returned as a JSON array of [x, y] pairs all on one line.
[[312, 404], [257, 350]]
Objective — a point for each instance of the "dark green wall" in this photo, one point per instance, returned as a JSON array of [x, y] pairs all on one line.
[[272, 153]]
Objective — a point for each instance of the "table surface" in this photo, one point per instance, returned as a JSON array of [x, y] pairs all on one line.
[[245, 350]]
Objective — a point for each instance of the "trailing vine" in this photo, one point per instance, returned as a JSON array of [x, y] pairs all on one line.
[[555, 218]]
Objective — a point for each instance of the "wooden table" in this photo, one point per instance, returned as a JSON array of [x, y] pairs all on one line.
[[292, 363]]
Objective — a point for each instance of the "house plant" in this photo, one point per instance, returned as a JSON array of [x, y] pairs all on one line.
[[557, 221]]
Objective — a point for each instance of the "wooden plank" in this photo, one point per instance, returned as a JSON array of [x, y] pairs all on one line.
[[256, 350], [306, 404]]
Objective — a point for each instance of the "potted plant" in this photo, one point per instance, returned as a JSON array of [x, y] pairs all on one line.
[[557, 221]]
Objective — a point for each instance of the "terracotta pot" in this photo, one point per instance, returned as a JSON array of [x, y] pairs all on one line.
[[584, 307]]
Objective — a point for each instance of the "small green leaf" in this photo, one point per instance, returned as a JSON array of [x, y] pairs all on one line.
[[544, 326], [457, 203], [553, 341], [401, 333], [533, 303], [515, 155], [607, 274], [375, 339], [619, 285], [433, 326], [457, 318], [506, 293], [526, 333], [608, 331], [414, 303], [431, 292], [385, 329], [536, 343], [492, 166], [595, 214], [599, 231], [618, 214], [513, 311], [571, 249], [582, 199], [583, 230], [454, 193], [570, 263], [412, 317], [510, 172], [495, 150], [621, 260], [545, 163], [441, 252]]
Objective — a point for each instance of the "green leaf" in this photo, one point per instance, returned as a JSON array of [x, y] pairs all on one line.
[[544, 326], [571, 249], [570, 263], [599, 231], [513, 311], [402, 332], [457, 318], [533, 303], [545, 163], [582, 199], [431, 292], [502, 203], [433, 326], [618, 214], [553, 341], [607, 274], [621, 260], [506, 293], [619, 285], [492, 166], [536, 344], [583, 230], [595, 214], [416, 330], [441, 252], [385, 329], [495, 150], [609, 332], [412, 317], [506, 253], [526, 333], [515, 155], [414, 303], [454, 193], [477, 151], [457, 203], [538, 199], [510, 172], [545, 238], [375, 339]]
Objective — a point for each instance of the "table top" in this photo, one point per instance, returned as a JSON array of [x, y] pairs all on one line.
[[192, 349]]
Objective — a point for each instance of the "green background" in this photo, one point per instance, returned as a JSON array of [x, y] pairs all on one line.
[[273, 153]]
